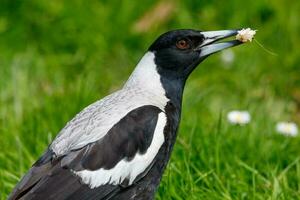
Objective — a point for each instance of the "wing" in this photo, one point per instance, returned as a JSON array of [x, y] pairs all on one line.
[[102, 169], [94, 122]]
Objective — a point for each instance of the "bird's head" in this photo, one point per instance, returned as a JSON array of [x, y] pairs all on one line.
[[177, 53]]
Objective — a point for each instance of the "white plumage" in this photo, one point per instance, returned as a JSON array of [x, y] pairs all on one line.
[[91, 124], [127, 169]]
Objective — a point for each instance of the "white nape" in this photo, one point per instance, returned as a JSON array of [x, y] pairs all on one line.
[[127, 169], [146, 77]]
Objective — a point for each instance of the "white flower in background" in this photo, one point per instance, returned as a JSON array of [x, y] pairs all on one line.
[[287, 128], [227, 56], [239, 117], [245, 35]]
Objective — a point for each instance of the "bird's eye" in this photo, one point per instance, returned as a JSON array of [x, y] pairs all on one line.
[[182, 44]]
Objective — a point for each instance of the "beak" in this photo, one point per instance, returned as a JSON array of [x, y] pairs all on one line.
[[209, 45]]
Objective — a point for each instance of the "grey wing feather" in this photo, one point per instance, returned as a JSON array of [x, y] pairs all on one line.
[[92, 123]]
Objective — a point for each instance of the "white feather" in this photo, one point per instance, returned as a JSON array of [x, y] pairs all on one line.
[[127, 169], [93, 123]]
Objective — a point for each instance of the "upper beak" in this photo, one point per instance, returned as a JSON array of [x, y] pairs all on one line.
[[208, 46]]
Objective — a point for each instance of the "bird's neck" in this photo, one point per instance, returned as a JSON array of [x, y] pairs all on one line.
[[145, 75], [174, 90], [148, 78]]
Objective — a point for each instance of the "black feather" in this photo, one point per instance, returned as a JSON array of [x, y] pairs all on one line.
[[131, 135]]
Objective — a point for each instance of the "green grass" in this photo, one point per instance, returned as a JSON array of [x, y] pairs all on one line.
[[56, 57]]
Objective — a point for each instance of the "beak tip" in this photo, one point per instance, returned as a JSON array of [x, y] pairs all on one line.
[[210, 47]]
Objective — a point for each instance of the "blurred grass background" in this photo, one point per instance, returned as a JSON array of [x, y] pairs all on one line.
[[56, 57]]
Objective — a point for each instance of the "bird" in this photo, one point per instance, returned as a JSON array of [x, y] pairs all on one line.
[[118, 147]]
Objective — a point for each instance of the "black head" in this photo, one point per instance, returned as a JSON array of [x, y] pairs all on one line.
[[178, 52]]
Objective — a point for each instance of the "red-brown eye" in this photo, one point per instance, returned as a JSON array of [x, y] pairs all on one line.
[[182, 44]]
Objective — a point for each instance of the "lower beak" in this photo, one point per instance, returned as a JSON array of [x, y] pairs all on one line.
[[209, 45]]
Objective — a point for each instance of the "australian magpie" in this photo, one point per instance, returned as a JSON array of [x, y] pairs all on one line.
[[118, 147]]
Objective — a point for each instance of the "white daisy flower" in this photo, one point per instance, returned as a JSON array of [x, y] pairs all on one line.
[[239, 117], [245, 35], [287, 128]]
